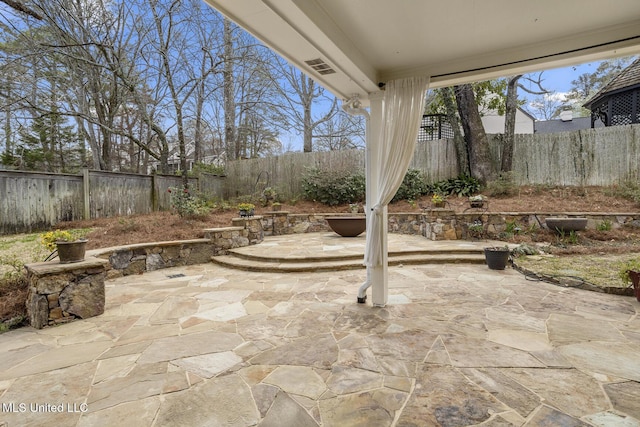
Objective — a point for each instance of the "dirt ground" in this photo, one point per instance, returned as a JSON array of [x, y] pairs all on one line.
[[162, 226]]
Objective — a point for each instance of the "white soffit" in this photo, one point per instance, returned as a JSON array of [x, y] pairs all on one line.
[[367, 42]]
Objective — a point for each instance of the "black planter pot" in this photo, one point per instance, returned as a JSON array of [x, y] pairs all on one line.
[[69, 252], [496, 258]]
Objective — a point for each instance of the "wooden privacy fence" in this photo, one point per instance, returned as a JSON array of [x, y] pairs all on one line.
[[602, 156], [32, 201], [285, 172]]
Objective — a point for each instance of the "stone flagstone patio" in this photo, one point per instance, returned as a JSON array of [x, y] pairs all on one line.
[[458, 345]]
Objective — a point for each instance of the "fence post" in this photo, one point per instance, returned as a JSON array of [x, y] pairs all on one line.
[[86, 193], [154, 193]]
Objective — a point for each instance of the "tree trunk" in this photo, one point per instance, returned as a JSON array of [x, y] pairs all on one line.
[[8, 146], [479, 155], [198, 151], [509, 124], [307, 125], [462, 151], [233, 150]]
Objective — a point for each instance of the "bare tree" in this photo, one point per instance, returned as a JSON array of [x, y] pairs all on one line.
[[20, 7], [342, 132], [511, 108], [299, 96], [171, 48], [233, 150], [85, 40]]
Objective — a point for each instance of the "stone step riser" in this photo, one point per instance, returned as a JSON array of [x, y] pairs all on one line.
[[231, 262], [259, 258]]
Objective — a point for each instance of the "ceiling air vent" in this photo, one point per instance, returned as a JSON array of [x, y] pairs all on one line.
[[320, 66]]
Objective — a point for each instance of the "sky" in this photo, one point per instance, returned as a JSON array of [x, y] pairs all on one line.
[[559, 79], [558, 82]]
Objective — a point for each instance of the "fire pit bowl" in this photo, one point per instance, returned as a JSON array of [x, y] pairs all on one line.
[[347, 226], [566, 224]]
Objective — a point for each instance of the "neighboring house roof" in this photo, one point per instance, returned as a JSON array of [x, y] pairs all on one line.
[[555, 126], [627, 78]]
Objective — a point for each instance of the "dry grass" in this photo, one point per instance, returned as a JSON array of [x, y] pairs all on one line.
[[597, 269]]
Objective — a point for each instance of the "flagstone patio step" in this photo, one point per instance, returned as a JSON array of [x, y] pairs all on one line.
[[264, 264], [307, 258]]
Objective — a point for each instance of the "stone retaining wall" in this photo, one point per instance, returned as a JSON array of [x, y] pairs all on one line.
[[141, 257], [441, 224], [60, 293], [279, 223]]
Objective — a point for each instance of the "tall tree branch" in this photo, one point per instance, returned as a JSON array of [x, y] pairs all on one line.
[[22, 8]]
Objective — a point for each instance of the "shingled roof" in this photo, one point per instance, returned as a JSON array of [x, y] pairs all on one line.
[[627, 78]]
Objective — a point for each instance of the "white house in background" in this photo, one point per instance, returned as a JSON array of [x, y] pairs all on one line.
[[494, 122]]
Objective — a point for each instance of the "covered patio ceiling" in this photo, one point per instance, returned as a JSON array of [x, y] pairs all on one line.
[[350, 46]]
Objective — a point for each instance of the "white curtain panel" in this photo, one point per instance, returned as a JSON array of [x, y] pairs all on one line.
[[402, 109]]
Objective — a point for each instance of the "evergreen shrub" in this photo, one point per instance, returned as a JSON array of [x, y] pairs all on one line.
[[333, 187]]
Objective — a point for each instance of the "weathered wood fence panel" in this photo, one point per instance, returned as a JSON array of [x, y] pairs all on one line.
[[436, 158], [115, 194], [251, 176], [32, 201], [211, 186], [602, 156], [161, 185]]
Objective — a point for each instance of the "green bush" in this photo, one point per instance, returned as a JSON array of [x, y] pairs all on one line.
[[605, 225], [206, 168], [463, 185], [332, 187], [504, 185], [186, 204], [413, 186]]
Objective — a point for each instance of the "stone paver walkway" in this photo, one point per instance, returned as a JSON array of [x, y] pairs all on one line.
[[458, 345]]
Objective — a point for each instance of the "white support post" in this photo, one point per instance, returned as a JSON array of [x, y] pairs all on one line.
[[378, 275]]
